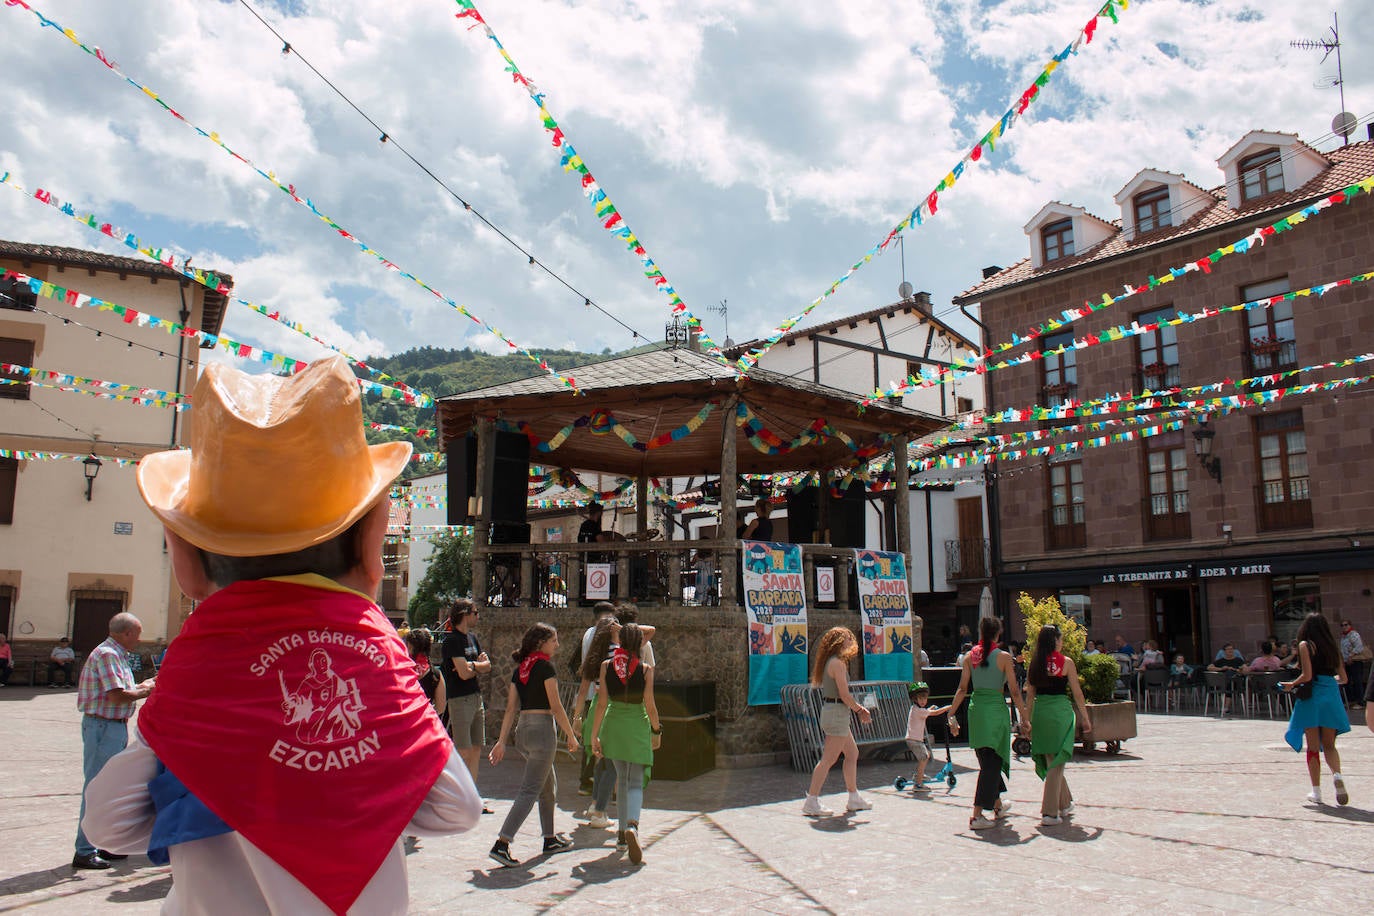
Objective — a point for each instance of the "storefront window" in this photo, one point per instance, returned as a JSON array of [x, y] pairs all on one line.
[[1293, 598], [1077, 605]]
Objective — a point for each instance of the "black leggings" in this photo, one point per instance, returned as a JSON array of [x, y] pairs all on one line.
[[990, 782]]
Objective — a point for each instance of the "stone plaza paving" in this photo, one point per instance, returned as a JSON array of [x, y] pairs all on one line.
[[1194, 815]]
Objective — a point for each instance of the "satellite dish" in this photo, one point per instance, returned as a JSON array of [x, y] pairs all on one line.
[[1344, 124], [906, 289]]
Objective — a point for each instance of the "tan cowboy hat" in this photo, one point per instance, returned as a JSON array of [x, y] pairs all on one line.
[[276, 464]]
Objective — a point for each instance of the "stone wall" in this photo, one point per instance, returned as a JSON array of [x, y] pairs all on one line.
[[706, 644]]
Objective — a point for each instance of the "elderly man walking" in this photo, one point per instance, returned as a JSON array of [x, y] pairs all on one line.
[[106, 695]]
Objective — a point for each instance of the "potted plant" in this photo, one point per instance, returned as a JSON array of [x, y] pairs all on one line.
[[1113, 720]]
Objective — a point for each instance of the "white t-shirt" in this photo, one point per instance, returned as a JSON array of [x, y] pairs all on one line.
[[646, 655], [916, 722]]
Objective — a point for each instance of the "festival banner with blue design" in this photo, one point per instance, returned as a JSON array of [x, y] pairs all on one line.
[[775, 601], [885, 606]]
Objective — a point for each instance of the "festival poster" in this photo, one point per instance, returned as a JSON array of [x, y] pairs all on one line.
[[885, 608], [775, 604]]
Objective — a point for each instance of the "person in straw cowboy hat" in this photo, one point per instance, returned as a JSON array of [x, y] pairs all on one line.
[[288, 748]]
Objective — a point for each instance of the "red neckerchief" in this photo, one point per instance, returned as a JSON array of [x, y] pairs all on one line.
[[294, 714], [976, 653], [421, 667], [624, 664], [1054, 665], [527, 665]]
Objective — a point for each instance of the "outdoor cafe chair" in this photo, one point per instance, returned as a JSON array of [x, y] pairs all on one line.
[[1220, 684], [1265, 685], [1154, 684]]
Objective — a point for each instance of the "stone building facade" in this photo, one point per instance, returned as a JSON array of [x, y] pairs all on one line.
[[1143, 535]]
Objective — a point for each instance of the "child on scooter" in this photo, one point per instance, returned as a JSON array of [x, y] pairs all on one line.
[[917, 736]]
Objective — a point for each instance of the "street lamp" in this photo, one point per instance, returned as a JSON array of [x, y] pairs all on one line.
[[1202, 446], [90, 467]]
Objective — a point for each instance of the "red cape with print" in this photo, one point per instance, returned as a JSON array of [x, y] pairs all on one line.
[[294, 714]]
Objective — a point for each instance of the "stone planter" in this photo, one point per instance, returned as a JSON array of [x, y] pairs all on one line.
[[1112, 722]]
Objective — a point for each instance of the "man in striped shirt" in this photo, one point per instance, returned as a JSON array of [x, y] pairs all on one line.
[[106, 695]]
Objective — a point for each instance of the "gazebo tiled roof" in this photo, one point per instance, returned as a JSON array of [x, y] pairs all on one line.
[[27, 252], [656, 392]]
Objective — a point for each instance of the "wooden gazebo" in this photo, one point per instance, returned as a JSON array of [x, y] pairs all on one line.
[[675, 413]]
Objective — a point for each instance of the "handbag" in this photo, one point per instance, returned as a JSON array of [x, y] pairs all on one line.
[[1364, 655], [1303, 691]]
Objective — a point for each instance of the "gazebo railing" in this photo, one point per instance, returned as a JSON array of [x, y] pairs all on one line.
[[665, 573]]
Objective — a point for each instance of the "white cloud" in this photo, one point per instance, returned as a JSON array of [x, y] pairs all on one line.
[[757, 148]]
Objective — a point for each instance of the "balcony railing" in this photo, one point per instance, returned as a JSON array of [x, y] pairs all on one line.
[[1269, 358], [1158, 376], [665, 573], [1065, 528], [1167, 517], [1059, 393], [967, 558], [1279, 506]]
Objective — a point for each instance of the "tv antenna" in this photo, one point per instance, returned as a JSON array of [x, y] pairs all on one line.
[[723, 310], [1344, 123], [904, 289]]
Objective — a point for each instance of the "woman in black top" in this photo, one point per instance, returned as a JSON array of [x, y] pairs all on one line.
[[1320, 715], [418, 643], [534, 691]]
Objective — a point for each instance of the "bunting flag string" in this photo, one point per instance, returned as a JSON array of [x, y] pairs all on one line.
[[63, 378], [138, 400], [210, 281], [981, 363], [603, 422], [20, 454], [769, 443], [288, 189], [417, 432], [930, 205], [278, 362], [611, 219]]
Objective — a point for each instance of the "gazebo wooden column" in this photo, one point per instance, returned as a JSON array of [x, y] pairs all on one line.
[[729, 482], [902, 480], [481, 535]]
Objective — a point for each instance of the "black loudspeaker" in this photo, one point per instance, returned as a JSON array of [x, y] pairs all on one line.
[[510, 533], [462, 478], [801, 515], [846, 516], [511, 480], [687, 712]]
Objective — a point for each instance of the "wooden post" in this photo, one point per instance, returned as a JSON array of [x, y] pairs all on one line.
[[729, 480], [481, 535], [641, 504], [902, 481]]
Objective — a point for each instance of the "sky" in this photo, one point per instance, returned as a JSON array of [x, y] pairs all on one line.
[[757, 148]]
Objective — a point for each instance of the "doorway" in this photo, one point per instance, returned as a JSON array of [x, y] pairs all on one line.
[[91, 621], [1174, 622]]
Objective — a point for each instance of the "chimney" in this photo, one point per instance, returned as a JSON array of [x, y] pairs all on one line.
[[991, 271], [921, 301]]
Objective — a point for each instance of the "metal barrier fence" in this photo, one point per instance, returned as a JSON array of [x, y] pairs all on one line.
[[887, 701]]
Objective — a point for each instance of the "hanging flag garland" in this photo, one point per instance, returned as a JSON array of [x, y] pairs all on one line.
[[137, 400], [980, 364], [130, 316], [611, 219], [928, 207], [65, 379], [288, 189], [603, 422], [20, 454]]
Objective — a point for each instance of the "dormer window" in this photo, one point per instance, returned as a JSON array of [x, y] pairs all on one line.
[[1152, 209], [1056, 240], [1261, 175]]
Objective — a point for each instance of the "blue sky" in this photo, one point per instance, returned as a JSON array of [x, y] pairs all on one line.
[[756, 148]]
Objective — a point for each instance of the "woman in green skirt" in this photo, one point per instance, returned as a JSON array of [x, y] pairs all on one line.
[[988, 670], [1051, 678], [627, 731]]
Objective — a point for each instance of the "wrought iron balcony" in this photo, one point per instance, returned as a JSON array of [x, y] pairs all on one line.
[[967, 558]]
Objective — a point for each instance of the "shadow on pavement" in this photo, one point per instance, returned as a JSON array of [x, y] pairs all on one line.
[[143, 893], [38, 880], [1071, 833]]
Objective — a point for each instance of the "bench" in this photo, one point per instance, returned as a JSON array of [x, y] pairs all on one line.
[[888, 702], [33, 667]]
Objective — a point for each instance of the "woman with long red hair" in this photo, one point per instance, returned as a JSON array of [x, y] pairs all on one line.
[[830, 672]]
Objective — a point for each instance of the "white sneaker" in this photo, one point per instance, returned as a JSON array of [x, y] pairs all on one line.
[[857, 803], [598, 820], [1314, 797], [1050, 820], [1342, 796], [1004, 810], [814, 808], [1065, 812], [981, 823]]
